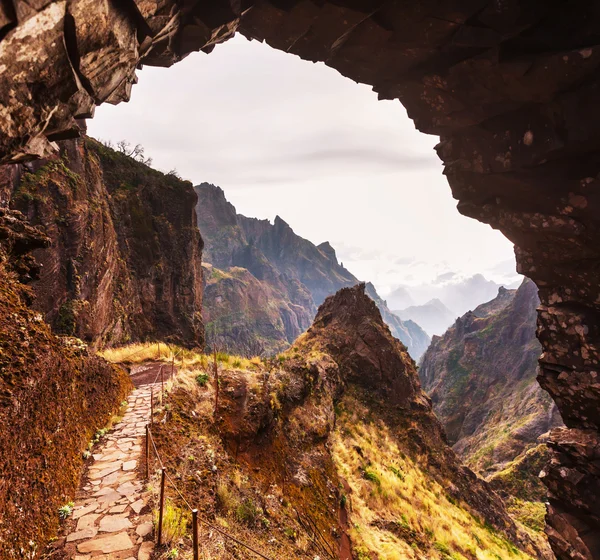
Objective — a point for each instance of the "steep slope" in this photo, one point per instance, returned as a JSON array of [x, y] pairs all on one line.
[[332, 450], [253, 317], [481, 377], [54, 395], [316, 267], [125, 258], [289, 272], [433, 316]]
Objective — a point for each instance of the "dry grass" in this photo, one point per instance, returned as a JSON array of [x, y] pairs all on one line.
[[175, 523], [183, 357], [397, 510]]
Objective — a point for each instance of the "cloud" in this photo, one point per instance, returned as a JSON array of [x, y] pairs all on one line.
[[441, 278], [357, 156]]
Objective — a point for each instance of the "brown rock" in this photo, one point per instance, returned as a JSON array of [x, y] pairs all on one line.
[[110, 543], [114, 524]]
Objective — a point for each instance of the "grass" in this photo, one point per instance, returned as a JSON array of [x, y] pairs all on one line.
[[175, 522], [401, 512], [141, 352]]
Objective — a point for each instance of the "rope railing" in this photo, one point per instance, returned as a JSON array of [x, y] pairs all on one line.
[[166, 477]]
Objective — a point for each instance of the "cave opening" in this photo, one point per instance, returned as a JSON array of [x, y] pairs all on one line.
[[511, 89]]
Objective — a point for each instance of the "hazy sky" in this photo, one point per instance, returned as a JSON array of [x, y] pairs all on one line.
[[287, 137]]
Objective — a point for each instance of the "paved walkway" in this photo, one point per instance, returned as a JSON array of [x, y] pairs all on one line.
[[112, 519]]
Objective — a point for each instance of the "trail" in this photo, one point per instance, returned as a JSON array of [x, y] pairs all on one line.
[[111, 519]]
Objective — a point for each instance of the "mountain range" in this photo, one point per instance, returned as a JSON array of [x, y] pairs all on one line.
[[433, 316], [263, 282], [457, 293]]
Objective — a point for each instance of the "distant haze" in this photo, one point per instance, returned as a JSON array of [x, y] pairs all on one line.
[[285, 136], [458, 294]]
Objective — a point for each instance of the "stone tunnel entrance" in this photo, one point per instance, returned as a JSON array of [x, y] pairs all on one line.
[[511, 88]]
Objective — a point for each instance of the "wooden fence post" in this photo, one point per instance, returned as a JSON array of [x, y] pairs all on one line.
[[147, 452], [161, 506], [152, 404], [195, 532], [216, 373], [162, 385]]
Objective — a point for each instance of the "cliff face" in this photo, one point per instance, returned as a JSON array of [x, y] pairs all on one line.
[[53, 396], [481, 377], [251, 316], [290, 273], [339, 431], [124, 262]]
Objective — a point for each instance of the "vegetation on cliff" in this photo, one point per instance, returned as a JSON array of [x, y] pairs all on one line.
[[124, 261], [53, 397], [481, 377]]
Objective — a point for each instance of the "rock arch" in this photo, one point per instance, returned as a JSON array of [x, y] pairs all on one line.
[[511, 87]]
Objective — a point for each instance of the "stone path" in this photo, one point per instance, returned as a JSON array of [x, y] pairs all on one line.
[[112, 520]]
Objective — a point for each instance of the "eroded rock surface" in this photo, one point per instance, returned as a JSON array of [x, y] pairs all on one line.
[[119, 253], [510, 87]]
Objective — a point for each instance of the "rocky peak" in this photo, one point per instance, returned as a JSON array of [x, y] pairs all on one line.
[[216, 210], [349, 328], [328, 250], [280, 223]]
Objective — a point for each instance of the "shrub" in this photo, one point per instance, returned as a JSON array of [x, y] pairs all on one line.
[[247, 512], [66, 510], [202, 379], [174, 523], [372, 476], [226, 500]]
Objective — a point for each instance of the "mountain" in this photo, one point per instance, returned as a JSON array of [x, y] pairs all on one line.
[[264, 282], [335, 449], [458, 294], [125, 258], [400, 298], [481, 377], [433, 316]]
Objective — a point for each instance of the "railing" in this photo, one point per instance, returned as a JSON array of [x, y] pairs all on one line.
[[164, 477]]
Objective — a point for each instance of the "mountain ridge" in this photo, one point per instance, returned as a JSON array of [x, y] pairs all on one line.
[[433, 316], [288, 266]]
